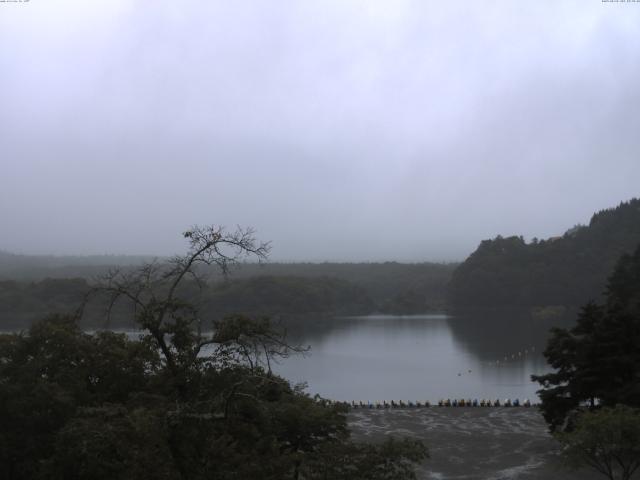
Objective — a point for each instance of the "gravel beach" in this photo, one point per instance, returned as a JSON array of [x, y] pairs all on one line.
[[472, 443]]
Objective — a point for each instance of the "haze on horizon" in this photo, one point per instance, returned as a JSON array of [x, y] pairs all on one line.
[[340, 130]]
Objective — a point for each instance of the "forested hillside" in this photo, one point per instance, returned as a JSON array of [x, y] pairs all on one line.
[[568, 270]]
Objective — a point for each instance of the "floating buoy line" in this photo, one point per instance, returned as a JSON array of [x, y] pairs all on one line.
[[513, 357], [462, 402], [441, 403]]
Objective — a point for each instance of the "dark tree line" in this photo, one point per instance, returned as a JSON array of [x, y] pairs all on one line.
[[21, 303], [292, 291], [287, 295], [568, 270]]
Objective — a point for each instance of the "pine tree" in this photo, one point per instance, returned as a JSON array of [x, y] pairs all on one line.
[[597, 362]]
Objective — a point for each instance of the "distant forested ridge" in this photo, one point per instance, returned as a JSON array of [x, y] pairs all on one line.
[[38, 267], [288, 295], [35, 287], [568, 270], [402, 288]]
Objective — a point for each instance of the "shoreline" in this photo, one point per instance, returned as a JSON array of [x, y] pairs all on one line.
[[471, 443]]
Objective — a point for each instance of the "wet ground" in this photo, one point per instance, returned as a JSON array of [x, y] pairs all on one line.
[[472, 443]]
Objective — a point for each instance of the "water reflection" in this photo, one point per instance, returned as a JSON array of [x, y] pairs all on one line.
[[421, 357]]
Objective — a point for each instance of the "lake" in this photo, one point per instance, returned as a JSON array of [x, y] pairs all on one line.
[[420, 357]]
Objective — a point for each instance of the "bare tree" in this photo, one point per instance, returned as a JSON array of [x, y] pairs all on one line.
[[253, 342], [153, 290]]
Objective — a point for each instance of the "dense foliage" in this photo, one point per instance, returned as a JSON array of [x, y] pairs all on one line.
[[23, 302], [568, 270], [176, 403], [606, 440], [597, 362], [287, 295], [74, 405]]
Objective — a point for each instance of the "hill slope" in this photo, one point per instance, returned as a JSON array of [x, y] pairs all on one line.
[[570, 270]]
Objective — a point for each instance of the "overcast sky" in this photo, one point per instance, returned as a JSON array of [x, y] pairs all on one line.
[[339, 130]]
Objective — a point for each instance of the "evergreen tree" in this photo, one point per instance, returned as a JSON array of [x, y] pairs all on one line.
[[597, 362]]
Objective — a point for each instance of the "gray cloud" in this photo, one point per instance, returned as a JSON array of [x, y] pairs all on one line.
[[344, 130]]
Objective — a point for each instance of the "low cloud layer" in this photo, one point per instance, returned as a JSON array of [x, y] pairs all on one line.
[[345, 130]]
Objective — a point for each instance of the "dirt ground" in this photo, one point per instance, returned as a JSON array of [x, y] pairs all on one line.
[[472, 443]]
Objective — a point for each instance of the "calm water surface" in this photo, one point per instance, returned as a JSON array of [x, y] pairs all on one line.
[[421, 357]]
